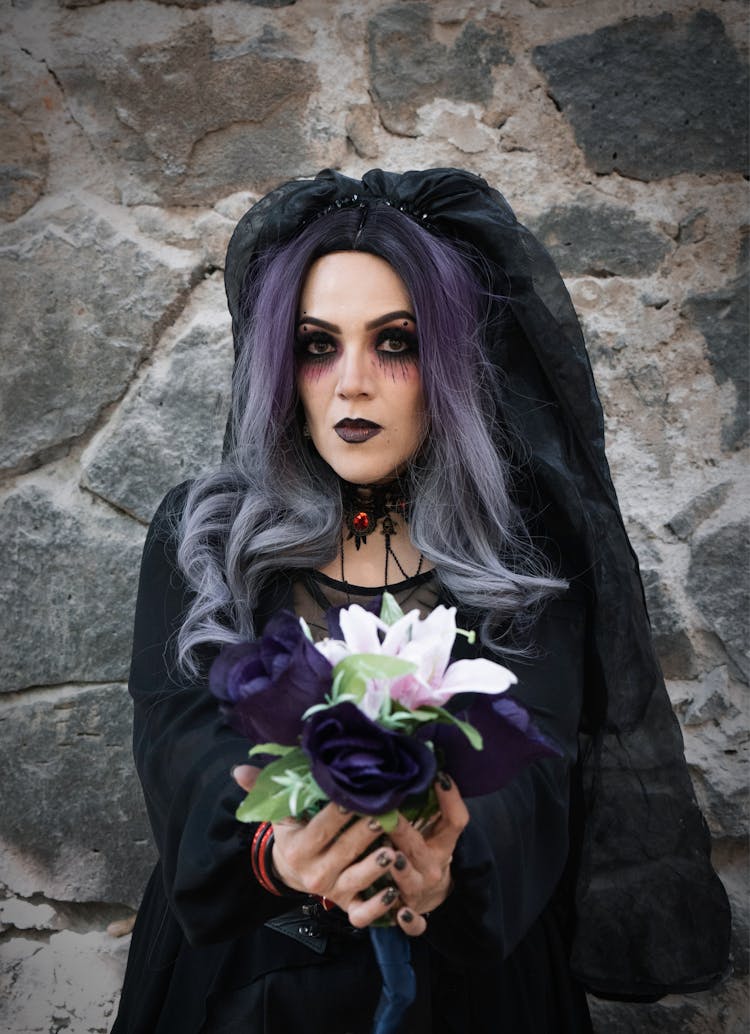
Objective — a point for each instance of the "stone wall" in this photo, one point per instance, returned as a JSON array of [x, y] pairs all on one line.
[[134, 134]]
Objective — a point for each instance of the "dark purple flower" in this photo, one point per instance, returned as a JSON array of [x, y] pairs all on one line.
[[511, 741], [360, 765], [267, 685]]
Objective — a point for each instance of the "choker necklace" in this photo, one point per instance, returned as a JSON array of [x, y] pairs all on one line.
[[364, 507]]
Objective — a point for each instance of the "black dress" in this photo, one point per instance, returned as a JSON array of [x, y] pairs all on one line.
[[204, 958]]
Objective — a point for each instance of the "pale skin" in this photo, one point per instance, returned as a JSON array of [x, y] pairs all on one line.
[[357, 360]]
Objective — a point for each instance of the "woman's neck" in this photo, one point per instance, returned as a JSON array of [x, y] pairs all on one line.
[[366, 566], [376, 548]]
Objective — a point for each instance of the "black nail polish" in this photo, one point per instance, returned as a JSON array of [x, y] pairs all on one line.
[[383, 860], [374, 825], [407, 916], [400, 862], [389, 896], [444, 781]]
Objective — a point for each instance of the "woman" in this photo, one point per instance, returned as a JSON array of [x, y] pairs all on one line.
[[412, 408]]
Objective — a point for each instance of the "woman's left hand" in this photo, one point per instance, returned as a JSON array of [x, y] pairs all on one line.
[[422, 869]]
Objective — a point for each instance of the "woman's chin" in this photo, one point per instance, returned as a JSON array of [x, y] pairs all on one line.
[[367, 473]]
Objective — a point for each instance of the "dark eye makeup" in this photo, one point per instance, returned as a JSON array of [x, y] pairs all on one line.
[[391, 343], [400, 341], [314, 344]]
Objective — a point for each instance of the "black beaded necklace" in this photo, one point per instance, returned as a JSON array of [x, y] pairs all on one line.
[[367, 506]]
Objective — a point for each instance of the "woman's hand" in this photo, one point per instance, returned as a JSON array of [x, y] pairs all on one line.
[[325, 857], [421, 869], [336, 856]]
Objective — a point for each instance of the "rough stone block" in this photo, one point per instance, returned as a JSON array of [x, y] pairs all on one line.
[[23, 166], [408, 67], [671, 641], [722, 318], [80, 303], [708, 1012], [600, 240], [73, 824], [172, 424], [690, 517], [653, 97], [70, 567], [718, 584], [228, 116], [69, 982]]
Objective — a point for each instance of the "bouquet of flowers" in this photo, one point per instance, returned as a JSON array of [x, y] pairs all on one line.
[[366, 717]]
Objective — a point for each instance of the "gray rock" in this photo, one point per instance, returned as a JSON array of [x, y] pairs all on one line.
[[710, 702], [653, 97], [600, 240], [227, 117], [722, 318], [722, 1009], [671, 641], [69, 983], [77, 830], [684, 523], [70, 568], [172, 425], [409, 68], [80, 305], [23, 168], [717, 582]]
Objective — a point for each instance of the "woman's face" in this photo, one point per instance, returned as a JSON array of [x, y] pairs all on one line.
[[357, 367]]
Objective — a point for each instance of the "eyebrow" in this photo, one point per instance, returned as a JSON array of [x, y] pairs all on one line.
[[400, 314]]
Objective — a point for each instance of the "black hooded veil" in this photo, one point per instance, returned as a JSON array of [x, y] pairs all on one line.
[[638, 912]]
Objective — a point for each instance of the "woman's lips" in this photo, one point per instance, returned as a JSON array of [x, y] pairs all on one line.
[[354, 431]]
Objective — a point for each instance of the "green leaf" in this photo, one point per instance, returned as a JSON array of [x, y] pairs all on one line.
[[472, 735], [390, 611], [269, 799], [277, 749], [352, 673], [389, 821]]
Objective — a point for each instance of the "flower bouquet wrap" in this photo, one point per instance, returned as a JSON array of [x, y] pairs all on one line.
[[365, 718]]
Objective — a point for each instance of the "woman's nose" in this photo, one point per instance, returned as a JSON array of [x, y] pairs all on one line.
[[355, 376]]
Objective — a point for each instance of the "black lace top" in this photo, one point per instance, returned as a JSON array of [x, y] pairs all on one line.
[[314, 593]]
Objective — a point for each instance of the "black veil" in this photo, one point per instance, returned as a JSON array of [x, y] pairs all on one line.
[[651, 915]]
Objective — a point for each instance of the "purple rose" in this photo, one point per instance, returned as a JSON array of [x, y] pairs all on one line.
[[267, 685], [360, 765], [510, 738]]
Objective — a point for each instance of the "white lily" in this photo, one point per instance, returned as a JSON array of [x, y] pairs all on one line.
[[425, 642]]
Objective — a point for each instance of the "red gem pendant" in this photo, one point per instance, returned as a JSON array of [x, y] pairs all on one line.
[[361, 523]]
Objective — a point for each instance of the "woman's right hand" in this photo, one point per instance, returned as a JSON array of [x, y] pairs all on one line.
[[323, 857]]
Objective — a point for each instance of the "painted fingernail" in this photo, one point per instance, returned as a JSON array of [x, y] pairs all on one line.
[[444, 781], [389, 896], [374, 825], [406, 916], [343, 810], [400, 862], [383, 859]]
